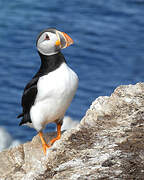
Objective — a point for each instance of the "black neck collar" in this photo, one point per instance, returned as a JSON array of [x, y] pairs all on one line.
[[49, 63]]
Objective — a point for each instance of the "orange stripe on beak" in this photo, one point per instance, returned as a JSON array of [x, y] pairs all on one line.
[[68, 39]]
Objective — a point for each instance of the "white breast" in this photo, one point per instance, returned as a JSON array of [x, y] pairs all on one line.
[[55, 92]]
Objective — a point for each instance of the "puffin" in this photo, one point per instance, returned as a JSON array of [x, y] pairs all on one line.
[[49, 93]]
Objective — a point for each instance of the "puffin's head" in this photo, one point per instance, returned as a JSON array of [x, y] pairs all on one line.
[[51, 41]]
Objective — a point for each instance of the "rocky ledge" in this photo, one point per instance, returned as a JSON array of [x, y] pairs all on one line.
[[107, 144]]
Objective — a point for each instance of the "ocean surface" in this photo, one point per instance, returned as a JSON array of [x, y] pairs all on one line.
[[108, 50]]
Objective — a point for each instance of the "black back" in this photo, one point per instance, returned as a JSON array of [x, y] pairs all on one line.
[[48, 64]]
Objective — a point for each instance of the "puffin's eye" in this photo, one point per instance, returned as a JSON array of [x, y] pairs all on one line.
[[47, 37]]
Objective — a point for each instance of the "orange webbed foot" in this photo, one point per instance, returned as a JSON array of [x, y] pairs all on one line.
[[58, 134], [45, 146]]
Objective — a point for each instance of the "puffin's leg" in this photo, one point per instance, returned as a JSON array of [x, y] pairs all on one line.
[[44, 144], [58, 134]]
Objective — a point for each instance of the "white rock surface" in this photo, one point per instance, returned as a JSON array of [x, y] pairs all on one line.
[[107, 144]]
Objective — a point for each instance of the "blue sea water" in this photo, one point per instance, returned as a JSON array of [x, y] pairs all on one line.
[[108, 50]]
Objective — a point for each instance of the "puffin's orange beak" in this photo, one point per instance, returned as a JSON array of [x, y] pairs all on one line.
[[64, 40], [68, 39]]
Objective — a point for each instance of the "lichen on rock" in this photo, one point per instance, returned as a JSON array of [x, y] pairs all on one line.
[[107, 144]]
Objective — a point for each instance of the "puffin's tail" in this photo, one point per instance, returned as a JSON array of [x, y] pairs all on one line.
[[22, 122], [26, 118], [20, 115]]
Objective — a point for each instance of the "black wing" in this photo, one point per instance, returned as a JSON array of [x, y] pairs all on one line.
[[28, 99]]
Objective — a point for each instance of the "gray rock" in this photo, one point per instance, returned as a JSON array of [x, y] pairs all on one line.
[[107, 144]]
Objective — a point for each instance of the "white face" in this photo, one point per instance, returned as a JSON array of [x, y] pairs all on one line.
[[46, 43]]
